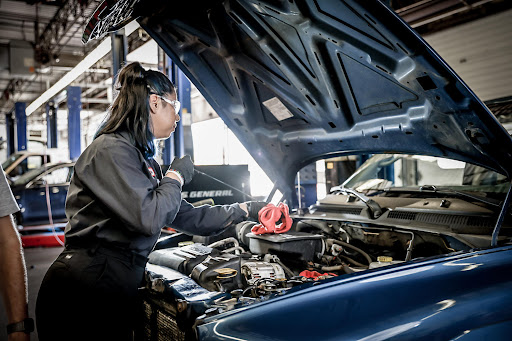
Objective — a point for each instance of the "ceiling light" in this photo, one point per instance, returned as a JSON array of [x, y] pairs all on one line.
[[99, 52]]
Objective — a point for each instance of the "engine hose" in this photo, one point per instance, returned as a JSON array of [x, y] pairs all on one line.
[[225, 241], [321, 225], [347, 269], [343, 267], [339, 242], [353, 262], [332, 268], [237, 249], [242, 229], [250, 287], [286, 269]]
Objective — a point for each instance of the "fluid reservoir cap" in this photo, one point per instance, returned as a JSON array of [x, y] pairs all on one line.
[[384, 259], [225, 273], [185, 243]]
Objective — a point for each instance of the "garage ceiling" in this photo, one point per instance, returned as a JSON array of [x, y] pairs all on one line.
[[50, 32]]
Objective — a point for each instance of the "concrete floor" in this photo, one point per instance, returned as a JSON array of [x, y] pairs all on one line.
[[38, 260]]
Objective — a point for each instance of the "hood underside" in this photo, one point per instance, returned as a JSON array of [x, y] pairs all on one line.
[[299, 80]]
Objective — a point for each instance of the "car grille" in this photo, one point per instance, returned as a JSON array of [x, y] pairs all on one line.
[[159, 323], [444, 219], [402, 215], [339, 209]]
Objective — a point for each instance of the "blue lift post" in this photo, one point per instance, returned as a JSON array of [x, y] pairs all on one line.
[[21, 125], [305, 184], [74, 108], [174, 146], [170, 150], [186, 106], [165, 65], [51, 125], [9, 127]]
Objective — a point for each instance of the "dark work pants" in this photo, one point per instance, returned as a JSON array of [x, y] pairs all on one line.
[[89, 295]]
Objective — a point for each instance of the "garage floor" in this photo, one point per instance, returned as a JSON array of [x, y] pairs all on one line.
[[38, 260]]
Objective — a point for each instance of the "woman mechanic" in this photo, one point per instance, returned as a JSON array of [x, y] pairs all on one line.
[[117, 204]]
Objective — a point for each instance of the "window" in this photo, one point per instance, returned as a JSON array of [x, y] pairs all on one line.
[[57, 176], [35, 161]]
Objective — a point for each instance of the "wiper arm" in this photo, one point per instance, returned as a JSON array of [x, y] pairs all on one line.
[[432, 188], [373, 207]]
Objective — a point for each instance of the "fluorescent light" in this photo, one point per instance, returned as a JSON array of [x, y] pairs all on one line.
[[99, 52], [91, 59]]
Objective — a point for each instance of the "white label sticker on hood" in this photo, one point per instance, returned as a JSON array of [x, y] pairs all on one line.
[[277, 108]]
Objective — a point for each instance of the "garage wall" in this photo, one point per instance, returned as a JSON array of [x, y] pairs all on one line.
[[480, 52]]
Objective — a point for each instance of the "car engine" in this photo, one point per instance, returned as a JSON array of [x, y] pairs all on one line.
[[191, 279], [246, 265]]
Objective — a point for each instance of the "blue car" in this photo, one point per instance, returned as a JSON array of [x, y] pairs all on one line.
[[416, 244], [21, 162], [40, 191]]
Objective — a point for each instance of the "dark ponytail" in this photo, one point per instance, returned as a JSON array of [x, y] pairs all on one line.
[[130, 110]]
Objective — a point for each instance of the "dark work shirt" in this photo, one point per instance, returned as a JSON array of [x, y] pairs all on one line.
[[118, 197]]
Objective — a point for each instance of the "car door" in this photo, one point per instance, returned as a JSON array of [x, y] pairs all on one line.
[[36, 208], [26, 163], [58, 183], [33, 203]]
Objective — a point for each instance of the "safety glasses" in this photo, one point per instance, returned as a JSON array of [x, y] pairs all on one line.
[[175, 103]]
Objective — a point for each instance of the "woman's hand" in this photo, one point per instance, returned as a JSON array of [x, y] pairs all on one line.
[[253, 208], [184, 167]]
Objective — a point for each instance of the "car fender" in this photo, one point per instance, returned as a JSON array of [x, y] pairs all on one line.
[[442, 298], [498, 331]]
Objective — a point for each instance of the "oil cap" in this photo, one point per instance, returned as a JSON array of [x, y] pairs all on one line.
[[384, 259]]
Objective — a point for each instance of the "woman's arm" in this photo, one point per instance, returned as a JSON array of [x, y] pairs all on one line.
[[206, 219], [115, 175]]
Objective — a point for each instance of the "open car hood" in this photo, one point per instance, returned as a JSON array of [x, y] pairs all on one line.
[[299, 80]]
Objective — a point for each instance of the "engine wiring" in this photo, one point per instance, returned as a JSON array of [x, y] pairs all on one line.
[[252, 268], [350, 246]]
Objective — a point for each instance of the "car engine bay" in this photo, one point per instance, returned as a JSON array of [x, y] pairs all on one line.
[[190, 280], [251, 268]]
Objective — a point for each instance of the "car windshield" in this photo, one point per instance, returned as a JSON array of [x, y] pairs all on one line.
[[10, 160], [388, 171], [28, 176]]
